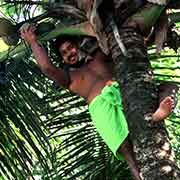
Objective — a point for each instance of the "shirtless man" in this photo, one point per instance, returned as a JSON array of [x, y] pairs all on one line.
[[94, 82]]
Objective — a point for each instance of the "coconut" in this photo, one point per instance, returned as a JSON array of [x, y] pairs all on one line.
[[44, 27], [41, 28], [11, 40], [6, 27]]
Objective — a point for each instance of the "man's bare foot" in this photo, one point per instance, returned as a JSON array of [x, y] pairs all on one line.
[[165, 108]]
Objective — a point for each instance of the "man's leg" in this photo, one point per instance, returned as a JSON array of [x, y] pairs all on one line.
[[126, 150]]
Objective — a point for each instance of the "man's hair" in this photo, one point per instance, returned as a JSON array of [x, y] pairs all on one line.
[[62, 39]]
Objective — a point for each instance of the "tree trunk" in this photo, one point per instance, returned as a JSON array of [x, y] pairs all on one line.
[[150, 140]]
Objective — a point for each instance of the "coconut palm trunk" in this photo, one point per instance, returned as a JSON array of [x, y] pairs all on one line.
[[134, 73]]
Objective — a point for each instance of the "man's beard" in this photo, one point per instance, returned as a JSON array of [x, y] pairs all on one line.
[[82, 57]]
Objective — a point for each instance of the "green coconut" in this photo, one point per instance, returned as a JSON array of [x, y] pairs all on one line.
[[45, 27], [6, 27], [11, 40]]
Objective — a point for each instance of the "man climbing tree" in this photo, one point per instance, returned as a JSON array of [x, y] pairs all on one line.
[[121, 27], [89, 76]]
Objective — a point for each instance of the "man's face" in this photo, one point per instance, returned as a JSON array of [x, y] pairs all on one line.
[[69, 52]]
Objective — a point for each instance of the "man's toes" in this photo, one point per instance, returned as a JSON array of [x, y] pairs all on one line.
[[172, 99], [169, 100]]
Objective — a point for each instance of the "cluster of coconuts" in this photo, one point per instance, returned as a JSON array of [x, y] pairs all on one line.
[[8, 32]]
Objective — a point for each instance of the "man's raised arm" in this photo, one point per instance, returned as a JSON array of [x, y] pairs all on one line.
[[40, 54]]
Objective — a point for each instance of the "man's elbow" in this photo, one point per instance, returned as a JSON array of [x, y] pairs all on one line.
[[48, 70]]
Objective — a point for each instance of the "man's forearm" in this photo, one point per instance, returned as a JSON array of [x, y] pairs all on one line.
[[45, 65], [41, 56]]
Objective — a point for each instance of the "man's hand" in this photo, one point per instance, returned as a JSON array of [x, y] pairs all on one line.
[[28, 33]]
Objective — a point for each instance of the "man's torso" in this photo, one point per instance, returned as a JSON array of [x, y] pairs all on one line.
[[89, 80]]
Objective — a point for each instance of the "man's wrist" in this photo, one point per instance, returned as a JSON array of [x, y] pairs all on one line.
[[34, 42]]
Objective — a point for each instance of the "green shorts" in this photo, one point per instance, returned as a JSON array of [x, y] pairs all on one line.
[[107, 115]]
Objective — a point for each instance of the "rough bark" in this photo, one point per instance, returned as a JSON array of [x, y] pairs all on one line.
[[150, 140]]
